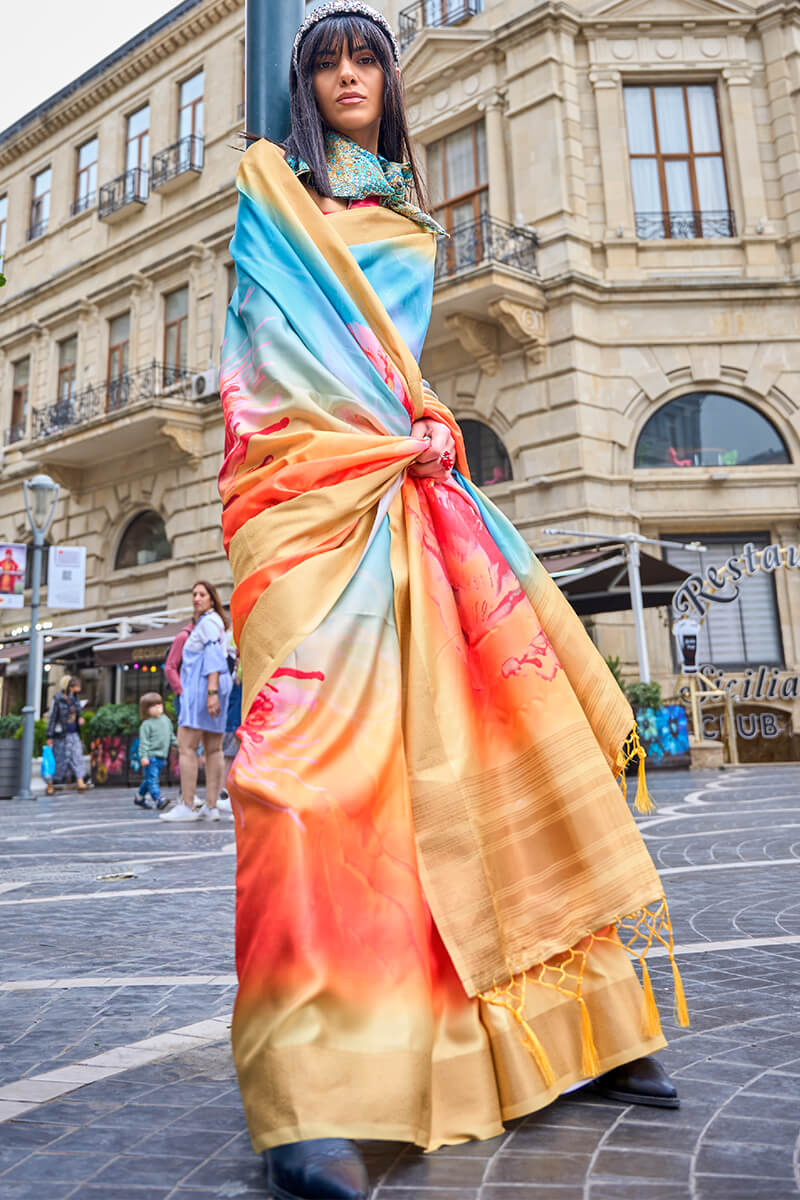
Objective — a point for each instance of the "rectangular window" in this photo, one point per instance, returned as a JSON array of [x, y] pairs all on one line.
[[190, 111], [137, 153], [40, 203], [20, 382], [450, 12], [67, 371], [680, 188], [747, 631], [3, 224], [85, 177], [176, 320], [119, 332], [458, 179]]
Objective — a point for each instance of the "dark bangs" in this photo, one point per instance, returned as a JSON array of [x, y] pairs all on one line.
[[307, 137]]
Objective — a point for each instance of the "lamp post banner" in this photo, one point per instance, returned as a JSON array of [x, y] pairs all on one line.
[[66, 580], [13, 559]]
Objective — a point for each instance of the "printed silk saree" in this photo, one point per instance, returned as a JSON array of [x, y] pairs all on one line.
[[440, 887]]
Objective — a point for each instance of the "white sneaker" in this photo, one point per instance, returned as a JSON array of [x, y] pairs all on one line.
[[197, 802], [179, 813], [208, 814], [224, 802]]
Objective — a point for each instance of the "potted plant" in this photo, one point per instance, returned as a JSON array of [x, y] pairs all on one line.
[[10, 754]]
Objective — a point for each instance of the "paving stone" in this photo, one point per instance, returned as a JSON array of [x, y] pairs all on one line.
[[175, 1127]]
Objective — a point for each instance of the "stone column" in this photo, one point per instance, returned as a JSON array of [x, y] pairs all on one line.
[[620, 234], [745, 137], [493, 109]]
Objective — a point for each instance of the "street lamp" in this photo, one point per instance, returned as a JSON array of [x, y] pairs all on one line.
[[630, 544], [41, 497]]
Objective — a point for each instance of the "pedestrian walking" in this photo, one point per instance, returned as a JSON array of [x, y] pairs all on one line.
[[156, 735], [63, 734], [230, 740], [205, 684], [441, 891]]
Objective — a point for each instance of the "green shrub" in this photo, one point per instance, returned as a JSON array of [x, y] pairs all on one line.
[[111, 720], [644, 695], [10, 725], [613, 664], [87, 714], [39, 736]]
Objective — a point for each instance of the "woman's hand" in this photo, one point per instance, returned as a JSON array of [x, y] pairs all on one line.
[[145, 762], [438, 460], [212, 704]]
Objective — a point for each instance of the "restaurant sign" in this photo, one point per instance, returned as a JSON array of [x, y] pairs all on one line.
[[722, 584]]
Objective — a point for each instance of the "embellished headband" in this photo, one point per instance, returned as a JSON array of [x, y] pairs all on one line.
[[337, 8]]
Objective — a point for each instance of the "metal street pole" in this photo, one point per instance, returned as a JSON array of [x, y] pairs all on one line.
[[631, 544], [635, 582], [41, 495], [33, 680], [270, 29]]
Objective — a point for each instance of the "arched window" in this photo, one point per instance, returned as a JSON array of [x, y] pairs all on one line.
[[144, 541], [706, 429], [486, 454]]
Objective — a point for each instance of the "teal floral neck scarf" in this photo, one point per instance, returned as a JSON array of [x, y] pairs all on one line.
[[355, 174]]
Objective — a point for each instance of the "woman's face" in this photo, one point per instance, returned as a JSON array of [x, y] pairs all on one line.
[[201, 600], [349, 91]]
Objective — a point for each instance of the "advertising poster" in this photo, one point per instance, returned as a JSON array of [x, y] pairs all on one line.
[[12, 575], [66, 582]]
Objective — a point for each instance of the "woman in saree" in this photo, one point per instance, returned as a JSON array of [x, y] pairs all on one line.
[[441, 890]]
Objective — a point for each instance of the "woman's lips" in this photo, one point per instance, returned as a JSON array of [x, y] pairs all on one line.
[[351, 100]]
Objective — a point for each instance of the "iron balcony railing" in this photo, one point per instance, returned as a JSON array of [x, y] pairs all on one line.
[[129, 188], [144, 383], [486, 240], [37, 230], [13, 433], [184, 155], [82, 203], [413, 19], [651, 225]]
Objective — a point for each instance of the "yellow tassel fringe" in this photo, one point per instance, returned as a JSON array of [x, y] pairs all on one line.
[[681, 1007], [590, 1057], [632, 749], [652, 1021]]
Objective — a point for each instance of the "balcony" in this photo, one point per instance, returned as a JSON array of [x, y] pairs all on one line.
[[425, 13], [487, 290], [119, 416], [178, 164], [654, 225], [124, 195], [37, 230], [486, 241], [12, 434], [82, 203]]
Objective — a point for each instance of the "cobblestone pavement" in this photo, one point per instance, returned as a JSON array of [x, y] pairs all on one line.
[[116, 985]]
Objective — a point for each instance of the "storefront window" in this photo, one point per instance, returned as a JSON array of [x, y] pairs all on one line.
[[745, 632], [488, 461], [144, 541], [706, 429]]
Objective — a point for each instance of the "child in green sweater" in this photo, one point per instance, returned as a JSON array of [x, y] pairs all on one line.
[[156, 735]]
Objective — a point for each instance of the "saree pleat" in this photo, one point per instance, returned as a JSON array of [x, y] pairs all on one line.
[[440, 887]]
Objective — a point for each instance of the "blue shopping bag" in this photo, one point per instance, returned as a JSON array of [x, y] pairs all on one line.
[[48, 762]]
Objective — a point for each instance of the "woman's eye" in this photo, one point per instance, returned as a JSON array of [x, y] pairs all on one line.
[[367, 61]]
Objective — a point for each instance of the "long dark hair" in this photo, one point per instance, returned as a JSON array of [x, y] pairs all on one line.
[[216, 603], [307, 138]]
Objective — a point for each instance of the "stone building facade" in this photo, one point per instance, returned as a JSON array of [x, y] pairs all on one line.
[[615, 318]]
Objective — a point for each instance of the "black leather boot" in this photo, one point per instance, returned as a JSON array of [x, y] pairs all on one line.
[[643, 1081], [320, 1169]]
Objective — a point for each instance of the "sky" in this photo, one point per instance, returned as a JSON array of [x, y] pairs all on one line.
[[48, 43]]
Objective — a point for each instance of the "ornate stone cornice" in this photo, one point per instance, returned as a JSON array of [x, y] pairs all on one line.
[[117, 76]]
